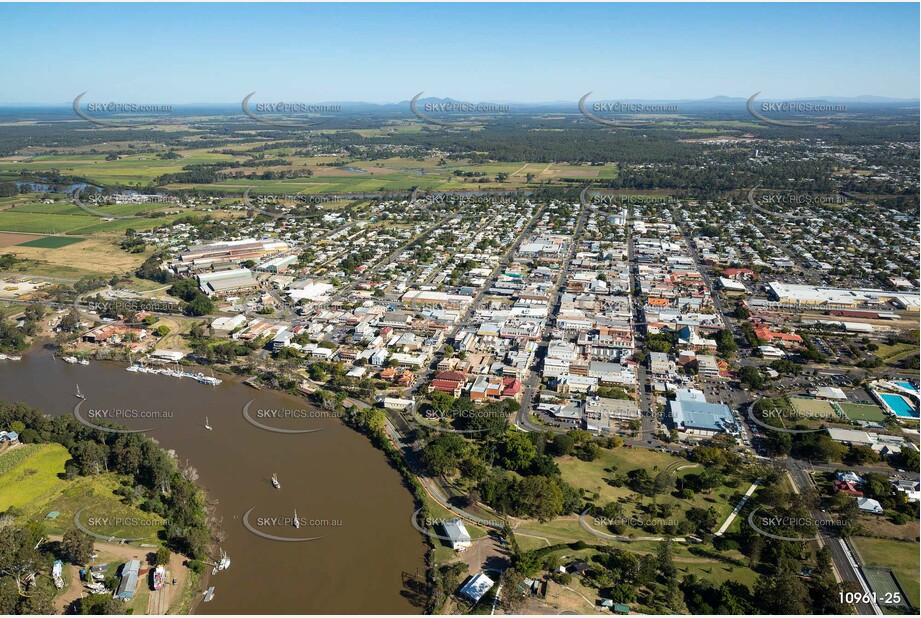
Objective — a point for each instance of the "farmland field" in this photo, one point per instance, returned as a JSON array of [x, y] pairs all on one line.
[[52, 242], [34, 477], [30, 222]]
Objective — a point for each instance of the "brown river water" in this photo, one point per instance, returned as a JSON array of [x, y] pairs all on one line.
[[343, 489]]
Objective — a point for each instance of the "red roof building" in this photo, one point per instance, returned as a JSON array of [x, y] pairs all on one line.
[[407, 378], [771, 336], [740, 273], [848, 488], [451, 382], [511, 387]]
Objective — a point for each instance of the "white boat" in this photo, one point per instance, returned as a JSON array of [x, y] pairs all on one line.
[[14, 358], [209, 380], [209, 594], [275, 482], [83, 361], [297, 522], [133, 368], [70, 359], [207, 424], [79, 394], [3, 357], [223, 564]]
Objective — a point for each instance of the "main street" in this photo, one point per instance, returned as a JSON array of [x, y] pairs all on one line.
[[465, 319], [529, 388]]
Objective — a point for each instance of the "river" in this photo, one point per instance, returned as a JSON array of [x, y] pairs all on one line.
[[367, 544]]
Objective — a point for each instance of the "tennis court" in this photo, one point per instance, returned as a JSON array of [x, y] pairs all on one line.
[[886, 586]]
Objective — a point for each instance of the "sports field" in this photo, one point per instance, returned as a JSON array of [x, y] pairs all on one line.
[[899, 556], [861, 412], [812, 408], [886, 586]]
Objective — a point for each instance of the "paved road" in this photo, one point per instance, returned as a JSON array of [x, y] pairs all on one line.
[[523, 418], [804, 484]]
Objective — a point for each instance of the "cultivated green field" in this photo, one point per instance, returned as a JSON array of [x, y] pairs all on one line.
[[51, 242], [128, 170], [42, 224], [34, 478]]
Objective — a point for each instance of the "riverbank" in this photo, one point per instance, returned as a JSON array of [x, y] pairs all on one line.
[[327, 475]]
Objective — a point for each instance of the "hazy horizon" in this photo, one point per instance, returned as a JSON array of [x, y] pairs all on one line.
[[214, 54]]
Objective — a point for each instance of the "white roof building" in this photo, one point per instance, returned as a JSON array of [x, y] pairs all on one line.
[[476, 587], [869, 505]]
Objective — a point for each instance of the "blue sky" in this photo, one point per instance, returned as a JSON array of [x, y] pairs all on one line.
[[206, 53]]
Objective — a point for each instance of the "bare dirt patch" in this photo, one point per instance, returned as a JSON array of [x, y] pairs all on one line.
[[9, 239], [98, 255]]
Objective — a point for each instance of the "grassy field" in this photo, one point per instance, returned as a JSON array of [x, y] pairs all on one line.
[[588, 475], [861, 412], [892, 354], [35, 476], [593, 477], [812, 408], [97, 254], [686, 563], [127, 170], [30, 222], [32, 480], [901, 557]]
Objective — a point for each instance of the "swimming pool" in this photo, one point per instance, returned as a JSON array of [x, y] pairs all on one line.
[[898, 405], [907, 386]]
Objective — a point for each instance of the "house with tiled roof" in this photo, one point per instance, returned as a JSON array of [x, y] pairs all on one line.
[[451, 382], [785, 339]]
